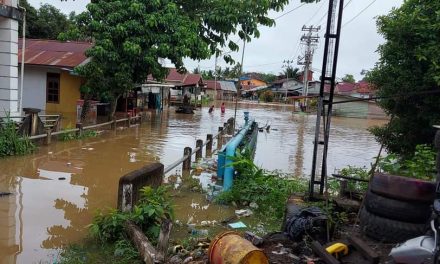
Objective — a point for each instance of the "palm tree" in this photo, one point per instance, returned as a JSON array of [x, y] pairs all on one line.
[[291, 73]]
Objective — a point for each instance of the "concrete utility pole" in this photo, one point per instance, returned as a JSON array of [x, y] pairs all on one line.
[[286, 64], [310, 42], [215, 78]]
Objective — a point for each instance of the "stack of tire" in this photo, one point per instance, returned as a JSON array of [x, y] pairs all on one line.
[[397, 208]]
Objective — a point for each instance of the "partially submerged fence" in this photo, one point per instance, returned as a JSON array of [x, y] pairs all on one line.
[[79, 130], [152, 174]]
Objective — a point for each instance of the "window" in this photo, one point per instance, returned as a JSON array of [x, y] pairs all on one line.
[[53, 88]]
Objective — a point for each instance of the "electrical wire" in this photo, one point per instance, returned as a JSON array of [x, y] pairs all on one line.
[[358, 14], [290, 11]]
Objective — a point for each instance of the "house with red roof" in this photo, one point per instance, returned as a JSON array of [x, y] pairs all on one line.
[[49, 82], [220, 90], [174, 86]]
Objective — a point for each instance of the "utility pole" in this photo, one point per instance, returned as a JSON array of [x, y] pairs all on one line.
[[286, 64], [310, 42], [215, 78], [325, 103]]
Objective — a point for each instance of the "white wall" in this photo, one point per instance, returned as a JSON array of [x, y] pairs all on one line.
[[8, 66], [34, 86]]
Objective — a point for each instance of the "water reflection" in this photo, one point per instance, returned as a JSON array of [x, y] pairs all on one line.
[[57, 190]]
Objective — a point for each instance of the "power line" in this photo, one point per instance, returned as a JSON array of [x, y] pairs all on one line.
[[363, 10], [290, 11], [317, 11]]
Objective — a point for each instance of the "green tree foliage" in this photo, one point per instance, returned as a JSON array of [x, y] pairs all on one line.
[[130, 36], [44, 23], [409, 63], [349, 78], [291, 73]]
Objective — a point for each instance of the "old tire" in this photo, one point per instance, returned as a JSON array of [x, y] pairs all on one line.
[[414, 212], [387, 230], [403, 188]]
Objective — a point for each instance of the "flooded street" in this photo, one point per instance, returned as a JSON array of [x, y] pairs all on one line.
[[57, 190]]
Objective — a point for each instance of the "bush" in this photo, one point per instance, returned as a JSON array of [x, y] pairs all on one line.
[[154, 206], [11, 143], [421, 165]]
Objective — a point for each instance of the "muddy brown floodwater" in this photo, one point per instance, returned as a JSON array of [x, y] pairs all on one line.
[[57, 190]]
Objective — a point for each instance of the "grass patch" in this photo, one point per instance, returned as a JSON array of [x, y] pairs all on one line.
[[73, 136], [11, 143], [121, 252]]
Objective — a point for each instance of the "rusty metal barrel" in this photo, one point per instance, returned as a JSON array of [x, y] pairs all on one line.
[[229, 247]]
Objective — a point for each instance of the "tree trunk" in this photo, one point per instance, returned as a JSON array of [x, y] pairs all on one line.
[[143, 245], [86, 107], [164, 237], [113, 105]]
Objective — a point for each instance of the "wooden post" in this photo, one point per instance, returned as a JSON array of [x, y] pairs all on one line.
[[164, 237], [220, 138], [343, 188], [199, 153], [48, 137], [231, 126], [209, 141], [186, 165], [80, 127]]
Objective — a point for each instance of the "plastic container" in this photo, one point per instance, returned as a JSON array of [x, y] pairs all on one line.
[[230, 248]]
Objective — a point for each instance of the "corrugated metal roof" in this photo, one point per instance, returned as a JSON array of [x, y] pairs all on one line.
[[228, 86], [54, 53]]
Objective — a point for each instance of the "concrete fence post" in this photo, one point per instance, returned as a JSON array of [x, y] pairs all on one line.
[[209, 141], [220, 138], [48, 137], [199, 153], [130, 185], [80, 129], [186, 165]]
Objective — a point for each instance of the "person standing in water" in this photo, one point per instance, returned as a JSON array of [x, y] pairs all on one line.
[[211, 109], [223, 108]]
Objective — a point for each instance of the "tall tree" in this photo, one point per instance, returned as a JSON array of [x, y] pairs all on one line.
[[409, 64], [291, 73], [130, 36], [44, 23], [349, 78]]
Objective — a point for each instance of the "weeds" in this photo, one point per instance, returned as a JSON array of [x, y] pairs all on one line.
[[73, 136], [269, 190], [11, 143], [421, 165], [121, 252], [334, 184]]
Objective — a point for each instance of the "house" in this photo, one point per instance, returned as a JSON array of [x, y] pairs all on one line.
[[291, 86], [212, 89], [361, 89], [49, 82], [174, 86], [251, 80], [222, 90]]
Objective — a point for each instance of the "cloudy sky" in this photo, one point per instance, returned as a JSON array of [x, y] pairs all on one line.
[[358, 46]]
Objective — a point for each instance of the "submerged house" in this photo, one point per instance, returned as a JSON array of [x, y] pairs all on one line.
[[49, 82], [172, 88], [220, 90]]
